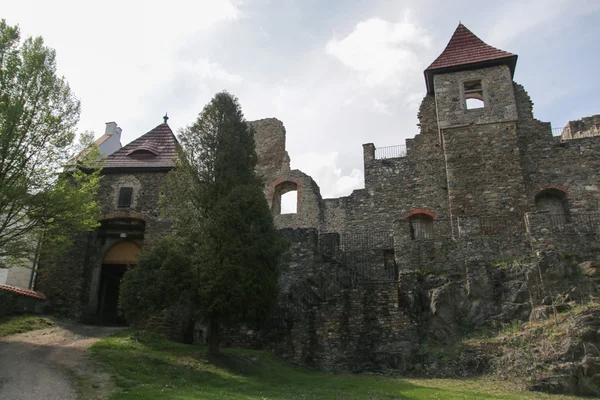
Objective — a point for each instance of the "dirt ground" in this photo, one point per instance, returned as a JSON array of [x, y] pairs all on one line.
[[52, 364]]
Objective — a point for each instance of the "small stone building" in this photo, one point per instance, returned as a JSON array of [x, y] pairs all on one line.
[[128, 195]]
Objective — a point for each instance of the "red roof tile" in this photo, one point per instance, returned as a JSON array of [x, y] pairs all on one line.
[[160, 141], [464, 48], [23, 292]]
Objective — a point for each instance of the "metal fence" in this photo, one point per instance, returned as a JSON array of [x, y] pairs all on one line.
[[498, 226], [563, 131], [566, 132], [351, 241], [398, 151], [575, 223]]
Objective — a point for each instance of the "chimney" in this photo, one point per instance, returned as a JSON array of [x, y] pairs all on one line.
[[111, 128]]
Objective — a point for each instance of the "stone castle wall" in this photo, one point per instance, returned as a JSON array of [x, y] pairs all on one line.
[[490, 254]]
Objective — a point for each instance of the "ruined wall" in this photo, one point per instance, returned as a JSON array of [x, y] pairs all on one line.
[[396, 186], [269, 137], [585, 127], [572, 166], [324, 321]]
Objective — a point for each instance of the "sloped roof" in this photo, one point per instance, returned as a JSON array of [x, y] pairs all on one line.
[[22, 292], [466, 51], [85, 151], [161, 141]]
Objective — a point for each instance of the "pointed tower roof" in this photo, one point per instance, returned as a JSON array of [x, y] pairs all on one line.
[[156, 149], [467, 51]]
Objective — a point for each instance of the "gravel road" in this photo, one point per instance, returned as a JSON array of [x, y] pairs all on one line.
[[40, 365]]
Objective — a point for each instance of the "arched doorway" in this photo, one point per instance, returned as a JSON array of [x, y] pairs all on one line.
[[115, 263]]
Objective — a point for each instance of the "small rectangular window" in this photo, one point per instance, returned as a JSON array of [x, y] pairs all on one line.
[[473, 92], [125, 197]]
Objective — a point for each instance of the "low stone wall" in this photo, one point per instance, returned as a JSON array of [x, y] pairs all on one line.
[[14, 301]]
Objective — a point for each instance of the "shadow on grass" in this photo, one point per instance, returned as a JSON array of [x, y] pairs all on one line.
[[146, 366]]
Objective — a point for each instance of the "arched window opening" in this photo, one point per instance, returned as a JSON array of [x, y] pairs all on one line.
[[285, 198], [473, 103], [554, 201], [289, 202], [551, 200], [473, 92], [421, 226]]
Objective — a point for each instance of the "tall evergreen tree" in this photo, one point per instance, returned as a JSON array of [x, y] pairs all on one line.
[[219, 210]]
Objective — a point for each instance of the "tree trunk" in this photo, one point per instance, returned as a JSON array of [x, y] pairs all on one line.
[[213, 336]]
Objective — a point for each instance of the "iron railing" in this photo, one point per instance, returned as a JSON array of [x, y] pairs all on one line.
[[432, 229], [564, 131], [575, 223], [351, 241], [398, 151], [497, 226]]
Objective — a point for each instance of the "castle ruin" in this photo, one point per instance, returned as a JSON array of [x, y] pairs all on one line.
[[418, 252]]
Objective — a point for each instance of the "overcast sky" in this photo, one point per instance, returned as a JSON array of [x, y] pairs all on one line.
[[337, 73]]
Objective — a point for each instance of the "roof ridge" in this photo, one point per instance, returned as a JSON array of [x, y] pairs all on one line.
[[160, 139]]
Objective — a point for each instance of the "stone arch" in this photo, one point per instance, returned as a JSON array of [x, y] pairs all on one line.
[[421, 223], [552, 198], [115, 262], [124, 252]]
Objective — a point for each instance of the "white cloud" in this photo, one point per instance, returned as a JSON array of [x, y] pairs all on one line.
[[516, 18], [382, 52], [322, 167], [116, 55], [380, 107]]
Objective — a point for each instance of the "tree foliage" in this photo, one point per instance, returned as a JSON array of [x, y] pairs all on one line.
[[38, 115], [223, 223]]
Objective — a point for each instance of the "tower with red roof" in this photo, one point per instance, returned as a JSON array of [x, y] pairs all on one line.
[[472, 83]]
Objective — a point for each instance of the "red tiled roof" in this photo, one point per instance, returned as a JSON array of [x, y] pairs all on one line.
[[464, 48], [161, 141], [23, 292]]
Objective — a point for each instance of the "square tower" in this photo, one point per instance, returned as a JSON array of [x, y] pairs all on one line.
[[477, 116]]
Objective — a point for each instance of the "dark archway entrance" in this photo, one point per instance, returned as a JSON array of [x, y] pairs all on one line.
[[116, 261]]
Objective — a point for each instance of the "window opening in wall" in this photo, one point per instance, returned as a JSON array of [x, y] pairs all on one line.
[[285, 198], [473, 95], [125, 194], [553, 201], [421, 226], [289, 202]]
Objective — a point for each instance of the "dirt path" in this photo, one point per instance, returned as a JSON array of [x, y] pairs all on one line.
[[43, 364]]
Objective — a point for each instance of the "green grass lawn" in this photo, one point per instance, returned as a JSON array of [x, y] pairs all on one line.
[[145, 366], [22, 323]]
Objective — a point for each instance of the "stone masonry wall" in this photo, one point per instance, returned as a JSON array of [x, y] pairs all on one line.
[[572, 166], [396, 186], [497, 93], [484, 170]]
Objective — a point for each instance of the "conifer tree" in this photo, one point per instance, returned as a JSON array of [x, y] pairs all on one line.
[[221, 216]]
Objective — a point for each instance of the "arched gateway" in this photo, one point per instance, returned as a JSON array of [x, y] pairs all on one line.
[[116, 261]]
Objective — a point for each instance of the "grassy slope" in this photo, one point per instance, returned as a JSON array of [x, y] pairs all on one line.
[[147, 367], [22, 323]]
